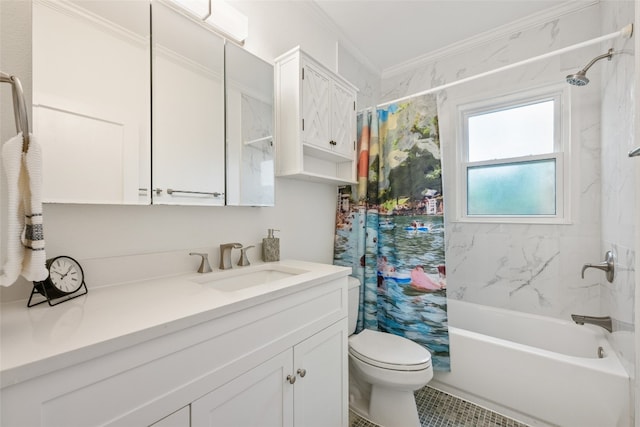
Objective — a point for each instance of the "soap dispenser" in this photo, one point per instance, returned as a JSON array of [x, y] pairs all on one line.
[[271, 247]]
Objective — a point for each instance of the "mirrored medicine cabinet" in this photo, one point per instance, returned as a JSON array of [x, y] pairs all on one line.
[[91, 100], [126, 118]]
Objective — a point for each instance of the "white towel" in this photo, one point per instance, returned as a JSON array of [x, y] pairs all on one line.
[[25, 238]]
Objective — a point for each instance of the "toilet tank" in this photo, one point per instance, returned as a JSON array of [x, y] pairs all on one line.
[[354, 302]]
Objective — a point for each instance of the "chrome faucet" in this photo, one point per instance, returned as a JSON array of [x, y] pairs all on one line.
[[225, 254], [204, 263], [603, 322]]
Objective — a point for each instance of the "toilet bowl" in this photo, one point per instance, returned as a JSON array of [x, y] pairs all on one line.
[[384, 371]]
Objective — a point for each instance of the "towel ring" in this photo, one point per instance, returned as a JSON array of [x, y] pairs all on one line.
[[19, 108]]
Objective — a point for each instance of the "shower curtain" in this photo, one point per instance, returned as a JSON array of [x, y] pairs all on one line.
[[390, 228]]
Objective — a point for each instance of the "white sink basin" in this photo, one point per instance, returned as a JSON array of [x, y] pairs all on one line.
[[230, 281]]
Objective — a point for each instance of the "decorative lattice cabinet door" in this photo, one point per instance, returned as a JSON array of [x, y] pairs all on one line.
[[343, 116], [315, 107]]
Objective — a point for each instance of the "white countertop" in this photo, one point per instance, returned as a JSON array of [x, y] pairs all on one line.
[[40, 339]]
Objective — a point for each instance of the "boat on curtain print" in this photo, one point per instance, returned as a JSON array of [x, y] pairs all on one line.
[[387, 225], [417, 228]]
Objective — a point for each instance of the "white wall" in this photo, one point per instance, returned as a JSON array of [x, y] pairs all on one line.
[[113, 242]]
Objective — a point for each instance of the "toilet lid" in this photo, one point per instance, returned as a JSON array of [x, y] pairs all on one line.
[[389, 351]]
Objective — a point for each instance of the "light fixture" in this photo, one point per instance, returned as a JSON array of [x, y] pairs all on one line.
[[220, 15], [228, 20]]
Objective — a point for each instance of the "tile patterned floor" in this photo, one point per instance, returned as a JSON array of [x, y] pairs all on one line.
[[438, 409]]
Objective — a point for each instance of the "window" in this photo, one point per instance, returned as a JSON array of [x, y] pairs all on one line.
[[513, 158]]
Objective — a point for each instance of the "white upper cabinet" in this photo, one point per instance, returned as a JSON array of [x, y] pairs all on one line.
[[126, 118], [315, 121]]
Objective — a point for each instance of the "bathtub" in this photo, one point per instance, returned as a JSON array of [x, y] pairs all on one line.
[[539, 370]]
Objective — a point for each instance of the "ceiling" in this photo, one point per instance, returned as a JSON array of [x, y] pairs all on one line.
[[389, 33]]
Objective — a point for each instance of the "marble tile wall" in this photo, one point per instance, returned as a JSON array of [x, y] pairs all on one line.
[[618, 184], [526, 267]]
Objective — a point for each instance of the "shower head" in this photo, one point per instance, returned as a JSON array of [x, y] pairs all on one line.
[[580, 78]]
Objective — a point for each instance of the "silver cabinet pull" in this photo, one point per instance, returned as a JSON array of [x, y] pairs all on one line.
[[291, 379], [302, 372], [635, 152]]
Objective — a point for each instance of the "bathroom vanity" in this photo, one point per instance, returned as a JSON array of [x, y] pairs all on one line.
[[264, 345]]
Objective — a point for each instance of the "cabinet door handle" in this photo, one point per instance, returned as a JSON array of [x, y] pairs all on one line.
[[302, 372], [291, 379]]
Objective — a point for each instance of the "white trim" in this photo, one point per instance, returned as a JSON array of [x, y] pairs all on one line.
[[523, 24], [80, 14], [635, 382]]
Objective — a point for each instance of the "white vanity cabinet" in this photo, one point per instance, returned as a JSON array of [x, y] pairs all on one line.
[[315, 120], [231, 366], [290, 389]]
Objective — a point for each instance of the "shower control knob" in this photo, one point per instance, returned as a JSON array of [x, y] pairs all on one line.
[[302, 372], [291, 379]]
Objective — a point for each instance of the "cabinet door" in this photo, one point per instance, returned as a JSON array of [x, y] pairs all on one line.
[[91, 100], [343, 119], [261, 397], [322, 384], [315, 107], [188, 149]]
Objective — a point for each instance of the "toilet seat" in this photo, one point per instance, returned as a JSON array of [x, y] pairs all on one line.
[[389, 351]]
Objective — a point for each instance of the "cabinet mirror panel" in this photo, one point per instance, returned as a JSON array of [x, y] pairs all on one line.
[[188, 110], [91, 100], [249, 127]]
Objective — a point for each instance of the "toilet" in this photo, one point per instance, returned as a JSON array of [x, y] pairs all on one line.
[[384, 371]]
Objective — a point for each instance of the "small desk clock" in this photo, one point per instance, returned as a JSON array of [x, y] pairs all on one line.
[[66, 279]]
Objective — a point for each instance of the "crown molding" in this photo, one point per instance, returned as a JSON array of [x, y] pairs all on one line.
[[532, 20], [81, 14]]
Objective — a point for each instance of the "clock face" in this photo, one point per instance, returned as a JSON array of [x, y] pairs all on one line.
[[65, 274]]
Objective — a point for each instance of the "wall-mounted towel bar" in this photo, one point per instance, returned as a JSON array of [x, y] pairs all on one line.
[[19, 107]]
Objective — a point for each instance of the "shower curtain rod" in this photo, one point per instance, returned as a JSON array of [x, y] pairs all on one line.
[[625, 32]]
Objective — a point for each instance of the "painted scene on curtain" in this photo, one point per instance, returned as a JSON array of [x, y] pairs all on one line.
[[390, 228]]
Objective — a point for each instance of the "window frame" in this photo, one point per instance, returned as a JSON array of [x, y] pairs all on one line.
[[560, 94]]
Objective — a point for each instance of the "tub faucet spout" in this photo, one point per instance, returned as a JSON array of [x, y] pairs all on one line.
[[603, 322]]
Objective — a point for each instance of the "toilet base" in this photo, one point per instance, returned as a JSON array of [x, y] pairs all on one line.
[[393, 408]]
